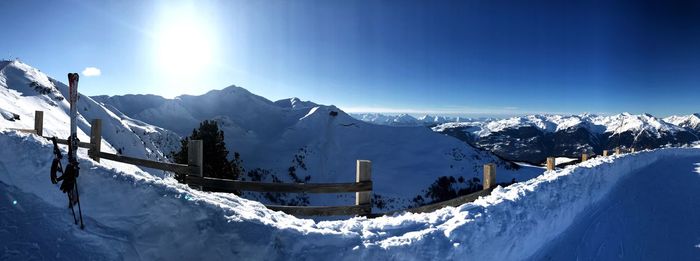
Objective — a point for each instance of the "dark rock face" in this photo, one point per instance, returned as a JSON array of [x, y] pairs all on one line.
[[525, 143], [533, 145]]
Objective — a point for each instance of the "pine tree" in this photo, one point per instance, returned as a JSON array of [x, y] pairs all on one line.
[[216, 163]]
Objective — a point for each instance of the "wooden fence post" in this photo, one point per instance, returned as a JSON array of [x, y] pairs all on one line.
[[195, 158], [95, 139], [39, 122], [584, 157], [605, 153], [550, 163], [363, 173], [489, 175], [617, 151]]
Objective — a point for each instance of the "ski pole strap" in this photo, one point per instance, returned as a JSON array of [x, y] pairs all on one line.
[[54, 170], [56, 150], [56, 163]]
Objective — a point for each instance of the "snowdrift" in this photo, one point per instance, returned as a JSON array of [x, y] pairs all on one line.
[[134, 215]]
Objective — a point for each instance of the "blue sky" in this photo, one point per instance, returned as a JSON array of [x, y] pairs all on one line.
[[443, 57]]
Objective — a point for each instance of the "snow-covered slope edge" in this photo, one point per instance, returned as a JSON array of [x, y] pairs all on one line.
[[134, 215]]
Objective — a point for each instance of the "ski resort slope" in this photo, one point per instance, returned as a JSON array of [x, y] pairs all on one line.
[[659, 204], [593, 210]]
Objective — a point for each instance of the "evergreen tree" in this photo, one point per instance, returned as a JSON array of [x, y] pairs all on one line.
[[216, 163]]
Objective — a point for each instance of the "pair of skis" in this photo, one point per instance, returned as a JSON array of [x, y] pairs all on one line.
[[69, 176]]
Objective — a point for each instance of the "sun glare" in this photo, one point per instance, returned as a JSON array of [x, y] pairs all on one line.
[[184, 46]]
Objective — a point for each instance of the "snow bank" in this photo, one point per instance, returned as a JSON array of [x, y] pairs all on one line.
[[131, 214]]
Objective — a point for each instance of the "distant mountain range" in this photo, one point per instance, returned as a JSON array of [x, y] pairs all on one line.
[[405, 120], [533, 138]]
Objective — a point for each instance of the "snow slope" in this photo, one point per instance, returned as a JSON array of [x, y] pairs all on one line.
[[661, 210], [134, 215], [24, 89]]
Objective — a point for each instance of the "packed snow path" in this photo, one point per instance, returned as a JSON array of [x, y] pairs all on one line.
[[134, 215], [653, 214]]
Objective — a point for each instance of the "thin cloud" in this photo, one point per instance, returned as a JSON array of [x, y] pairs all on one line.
[[92, 71]]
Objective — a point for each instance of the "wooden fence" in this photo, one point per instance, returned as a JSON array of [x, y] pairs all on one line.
[[551, 164], [362, 187], [194, 177]]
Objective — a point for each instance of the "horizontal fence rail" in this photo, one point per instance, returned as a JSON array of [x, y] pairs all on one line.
[[237, 185], [172, 167], [362, 188]]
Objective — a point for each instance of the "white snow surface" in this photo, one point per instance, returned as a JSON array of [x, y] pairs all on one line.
[[130, 214], [562, 160]]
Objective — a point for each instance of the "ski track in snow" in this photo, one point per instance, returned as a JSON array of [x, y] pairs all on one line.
[[134, 215]]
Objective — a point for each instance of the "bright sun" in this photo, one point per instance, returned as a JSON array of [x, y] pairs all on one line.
[[184, 45]]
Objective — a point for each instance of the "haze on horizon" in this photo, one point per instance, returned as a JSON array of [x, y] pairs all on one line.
[[448, 58]]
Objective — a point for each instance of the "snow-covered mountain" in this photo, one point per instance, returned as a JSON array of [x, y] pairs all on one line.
[[291, 140], [535, 137], [691, 121], [390, 120], [24, 89], [402, 120]]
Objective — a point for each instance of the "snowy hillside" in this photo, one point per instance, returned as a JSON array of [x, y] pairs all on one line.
[[570, 214], [535, 137], [293, 141], [24, 89]]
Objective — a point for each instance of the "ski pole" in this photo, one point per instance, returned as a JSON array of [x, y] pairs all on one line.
[[80, 211]]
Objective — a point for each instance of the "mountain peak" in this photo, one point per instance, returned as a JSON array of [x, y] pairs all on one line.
[[295, 103]]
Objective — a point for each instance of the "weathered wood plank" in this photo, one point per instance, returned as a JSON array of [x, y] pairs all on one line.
[[39, 123], [489, 175], [323, 210], [363, 172], [237, 185], [195, 160], [23, 130], [173, 167], [551, 163]]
